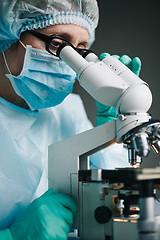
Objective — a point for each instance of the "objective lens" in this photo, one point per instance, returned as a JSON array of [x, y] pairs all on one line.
[[133, 158], [140, 144]]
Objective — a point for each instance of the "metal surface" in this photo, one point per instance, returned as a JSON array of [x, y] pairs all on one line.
[[125, 175], [108, 189]]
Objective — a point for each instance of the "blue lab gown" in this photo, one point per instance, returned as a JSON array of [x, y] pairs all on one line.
[[24, 139]]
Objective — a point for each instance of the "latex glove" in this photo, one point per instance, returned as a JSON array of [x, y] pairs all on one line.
[[48, 217], [134, 65], [107, 113]]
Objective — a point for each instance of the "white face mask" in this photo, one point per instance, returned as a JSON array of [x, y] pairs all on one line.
[[44, 81]]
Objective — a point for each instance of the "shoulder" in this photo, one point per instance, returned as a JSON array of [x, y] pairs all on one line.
[[71, 99], [71, 116]]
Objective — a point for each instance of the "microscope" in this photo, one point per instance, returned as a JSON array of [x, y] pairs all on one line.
[[113, 204]]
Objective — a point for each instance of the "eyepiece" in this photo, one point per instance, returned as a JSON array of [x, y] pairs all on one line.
[[61, 47]]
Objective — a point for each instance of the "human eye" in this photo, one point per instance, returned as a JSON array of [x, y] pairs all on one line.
[[55, 44], [82, 45]]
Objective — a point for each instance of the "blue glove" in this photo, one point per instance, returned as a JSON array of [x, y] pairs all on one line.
[[107, 113], [47, 217]]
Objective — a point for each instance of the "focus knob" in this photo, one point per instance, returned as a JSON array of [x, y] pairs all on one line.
[[102, 214]]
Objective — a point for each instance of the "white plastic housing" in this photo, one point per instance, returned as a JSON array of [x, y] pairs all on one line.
[[137, 98], [96, 78], [109, 81]]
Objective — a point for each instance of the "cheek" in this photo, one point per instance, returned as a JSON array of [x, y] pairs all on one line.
[[28, 39], [38, 44], [19, 64]]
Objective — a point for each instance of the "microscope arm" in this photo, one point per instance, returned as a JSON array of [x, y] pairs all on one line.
[[74, 157], [110, 83]]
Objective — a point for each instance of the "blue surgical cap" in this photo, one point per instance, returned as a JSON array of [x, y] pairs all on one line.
[[17, 16]]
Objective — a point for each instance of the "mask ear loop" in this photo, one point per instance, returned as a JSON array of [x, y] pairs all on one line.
[[22, 44], [5, 60]]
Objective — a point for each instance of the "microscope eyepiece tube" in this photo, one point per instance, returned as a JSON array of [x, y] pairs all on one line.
[[109, 82], [91, 57], [69, 55], [96, 78]]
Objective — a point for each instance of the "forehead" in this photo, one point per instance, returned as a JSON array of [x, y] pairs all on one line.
[[71, 31]]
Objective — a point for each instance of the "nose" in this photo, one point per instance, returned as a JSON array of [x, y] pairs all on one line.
[[75, 42]]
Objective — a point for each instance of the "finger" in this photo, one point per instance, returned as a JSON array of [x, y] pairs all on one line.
[[50, 191], [55, 226], [58, 210], [136, 65], [126, 60], [46, 195], [66, 201], [101, 107], [50, 206], [103, 55], [116, 56], [65, 214]]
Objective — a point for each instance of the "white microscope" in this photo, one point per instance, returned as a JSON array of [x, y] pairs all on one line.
[[99, 193]]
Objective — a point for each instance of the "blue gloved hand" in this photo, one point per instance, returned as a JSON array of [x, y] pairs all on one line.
[[48, 217], [107, 113]]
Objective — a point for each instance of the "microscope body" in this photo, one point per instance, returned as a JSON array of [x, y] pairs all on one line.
[[97, 191], [112, 83]]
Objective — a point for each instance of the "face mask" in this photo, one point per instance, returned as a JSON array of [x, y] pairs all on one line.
[[44, 81]]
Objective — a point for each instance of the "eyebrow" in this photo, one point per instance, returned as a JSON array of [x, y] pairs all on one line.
[[68, 37]]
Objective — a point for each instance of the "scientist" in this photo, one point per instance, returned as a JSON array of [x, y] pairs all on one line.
[[37, 109]]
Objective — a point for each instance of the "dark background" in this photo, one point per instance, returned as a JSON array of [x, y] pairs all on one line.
[[131, 28]]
